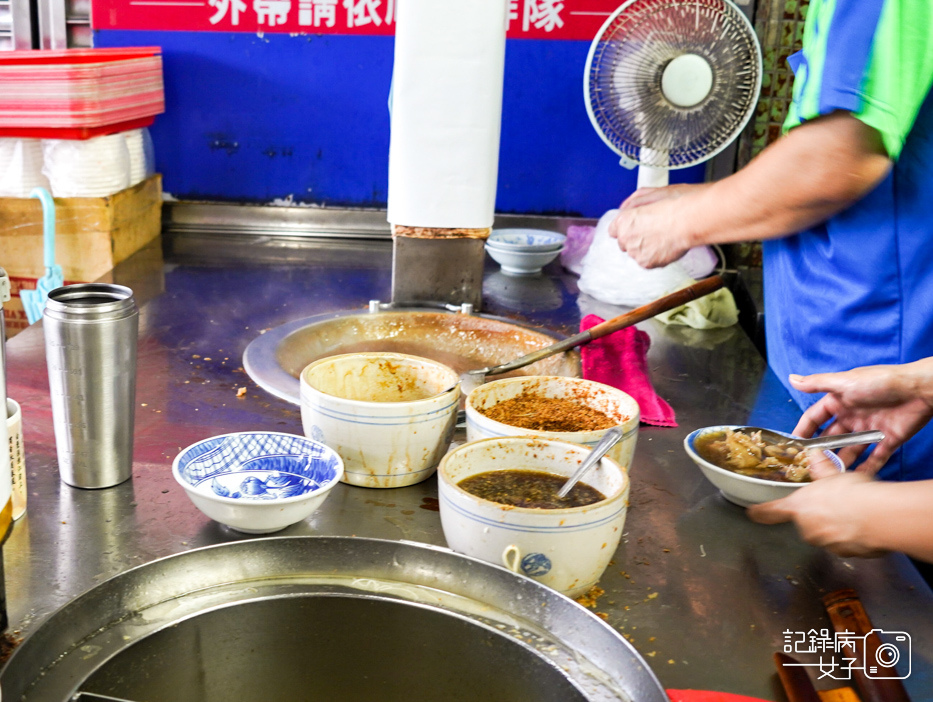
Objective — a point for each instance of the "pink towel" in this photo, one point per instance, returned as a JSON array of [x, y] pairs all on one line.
[[620, 360]]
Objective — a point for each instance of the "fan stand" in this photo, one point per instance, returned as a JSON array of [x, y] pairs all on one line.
[[685, 82], [671, 83], [651, 176]]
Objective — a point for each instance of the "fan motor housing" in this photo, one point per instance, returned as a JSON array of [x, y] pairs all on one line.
[[687, 80]]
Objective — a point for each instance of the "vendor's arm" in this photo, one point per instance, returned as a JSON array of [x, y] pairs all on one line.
[[896, 399], [852, 515], [865, 70], [816, 171]]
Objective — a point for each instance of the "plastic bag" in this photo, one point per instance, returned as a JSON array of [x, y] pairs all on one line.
[[611, 275], [579, 239]]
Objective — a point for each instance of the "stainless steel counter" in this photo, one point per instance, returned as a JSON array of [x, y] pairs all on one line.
[[702, 592]]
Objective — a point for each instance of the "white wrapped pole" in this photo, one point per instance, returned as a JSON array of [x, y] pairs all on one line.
[[446, 113]]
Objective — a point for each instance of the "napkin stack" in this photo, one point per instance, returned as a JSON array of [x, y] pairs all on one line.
[[20, 167], [96, 167]]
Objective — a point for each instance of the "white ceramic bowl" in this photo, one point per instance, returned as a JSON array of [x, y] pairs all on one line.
[[523, 249], [742, 489], [566, 549], [616, 404], [390, 416], [526, 239], [257, 481], [521, 262]]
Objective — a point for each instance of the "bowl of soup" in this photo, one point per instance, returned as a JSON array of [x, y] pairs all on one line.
[[746, 469], [498, 502]]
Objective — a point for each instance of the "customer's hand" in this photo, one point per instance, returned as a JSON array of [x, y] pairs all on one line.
[[834, 512], [892, 399], [650, 226]]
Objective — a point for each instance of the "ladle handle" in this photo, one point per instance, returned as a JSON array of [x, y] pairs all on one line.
[[870, 436], [610, 439], [652, 309], [639, 314]]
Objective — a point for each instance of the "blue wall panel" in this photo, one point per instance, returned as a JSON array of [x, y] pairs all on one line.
[[252, 118]]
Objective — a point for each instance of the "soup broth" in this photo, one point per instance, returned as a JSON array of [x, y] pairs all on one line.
[[529, 488], [748, 454]]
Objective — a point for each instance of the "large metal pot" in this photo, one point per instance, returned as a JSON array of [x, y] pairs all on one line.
[[325, 618], [461, 340]]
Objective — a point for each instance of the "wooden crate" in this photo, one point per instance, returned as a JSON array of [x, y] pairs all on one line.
[[92, 235]]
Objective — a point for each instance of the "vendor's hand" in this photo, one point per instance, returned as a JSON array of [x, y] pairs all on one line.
[[873, 397], [649, 196], [648, 226], [833, 512]]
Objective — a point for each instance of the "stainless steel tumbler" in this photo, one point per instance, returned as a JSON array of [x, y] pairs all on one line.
[[90, 347]]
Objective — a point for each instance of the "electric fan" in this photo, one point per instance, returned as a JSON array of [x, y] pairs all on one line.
[[670, 83]]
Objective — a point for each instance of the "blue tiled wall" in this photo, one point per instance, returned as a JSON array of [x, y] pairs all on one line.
[[252, 119]]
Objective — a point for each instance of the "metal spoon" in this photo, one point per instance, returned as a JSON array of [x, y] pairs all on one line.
[[610, 439], [474, 378], [821, 442]]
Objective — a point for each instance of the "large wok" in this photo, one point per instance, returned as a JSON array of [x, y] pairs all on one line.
[[326, 618], [462, 341]]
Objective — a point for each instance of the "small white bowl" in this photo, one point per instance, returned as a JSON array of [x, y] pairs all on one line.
[[526, 239], [742, 489], [522, 249], [257, 481], [566, 549], [521, 262], [390, 416], [618, 405]]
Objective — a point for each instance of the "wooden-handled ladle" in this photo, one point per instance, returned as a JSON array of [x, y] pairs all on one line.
[[474, 378]]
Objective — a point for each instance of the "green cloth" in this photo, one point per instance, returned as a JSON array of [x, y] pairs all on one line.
[[713, 311]]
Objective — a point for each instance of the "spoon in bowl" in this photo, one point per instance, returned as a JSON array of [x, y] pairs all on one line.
[[610, 439], [821, 442]]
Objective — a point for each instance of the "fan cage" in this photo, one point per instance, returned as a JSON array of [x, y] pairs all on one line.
[[622, 82]]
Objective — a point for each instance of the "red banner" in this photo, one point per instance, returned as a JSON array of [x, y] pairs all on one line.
[[528, 19]]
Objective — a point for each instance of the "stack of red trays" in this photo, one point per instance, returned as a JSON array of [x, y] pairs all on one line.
[[79, 93]]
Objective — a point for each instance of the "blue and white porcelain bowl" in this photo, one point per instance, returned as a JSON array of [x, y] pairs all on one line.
[[739, 489], [526, 240], [257, 481]]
